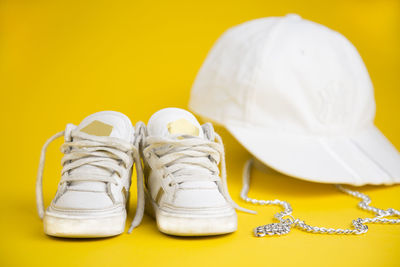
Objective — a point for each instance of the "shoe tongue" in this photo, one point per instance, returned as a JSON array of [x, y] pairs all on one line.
[[105, 123], [172, 121]]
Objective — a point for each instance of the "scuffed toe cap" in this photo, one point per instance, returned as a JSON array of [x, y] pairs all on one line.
[[199, 198], [83, 200]]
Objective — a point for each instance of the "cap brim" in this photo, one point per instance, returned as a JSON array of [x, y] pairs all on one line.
[[363, 158]]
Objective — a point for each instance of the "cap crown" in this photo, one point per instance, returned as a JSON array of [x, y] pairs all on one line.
[[286, 74]]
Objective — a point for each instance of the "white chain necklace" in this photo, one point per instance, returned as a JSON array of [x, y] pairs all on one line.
[[287, 221]]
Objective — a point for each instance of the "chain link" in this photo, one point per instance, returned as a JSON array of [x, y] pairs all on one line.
[[286, 221]]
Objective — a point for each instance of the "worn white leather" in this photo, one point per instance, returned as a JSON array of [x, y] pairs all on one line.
[[93, 191], [90, 195], [190, 194]]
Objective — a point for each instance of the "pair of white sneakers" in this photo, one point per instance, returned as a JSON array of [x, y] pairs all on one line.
[[179, 181]]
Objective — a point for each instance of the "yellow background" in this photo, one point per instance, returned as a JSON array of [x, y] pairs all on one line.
[[63, 60]]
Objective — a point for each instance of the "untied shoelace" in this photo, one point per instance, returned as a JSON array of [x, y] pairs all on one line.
[[177, 153], [112, 154], [183, 156]]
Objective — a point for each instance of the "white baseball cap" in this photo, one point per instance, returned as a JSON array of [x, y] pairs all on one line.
[[298, 96]]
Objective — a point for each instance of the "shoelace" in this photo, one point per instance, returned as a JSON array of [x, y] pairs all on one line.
[[99, 151], [180, 152], [286, 221], [140, 132]]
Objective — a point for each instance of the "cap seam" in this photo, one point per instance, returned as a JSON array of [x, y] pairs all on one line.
[[353, 173], [377, 164]]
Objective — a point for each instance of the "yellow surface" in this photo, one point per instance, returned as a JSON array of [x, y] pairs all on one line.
[[63, 60]]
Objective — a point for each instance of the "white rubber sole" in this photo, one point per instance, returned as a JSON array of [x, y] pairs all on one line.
[[189, 224], [80, 227]]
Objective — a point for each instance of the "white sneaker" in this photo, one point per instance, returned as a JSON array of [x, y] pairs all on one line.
[[184, 191], [94, 189]]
